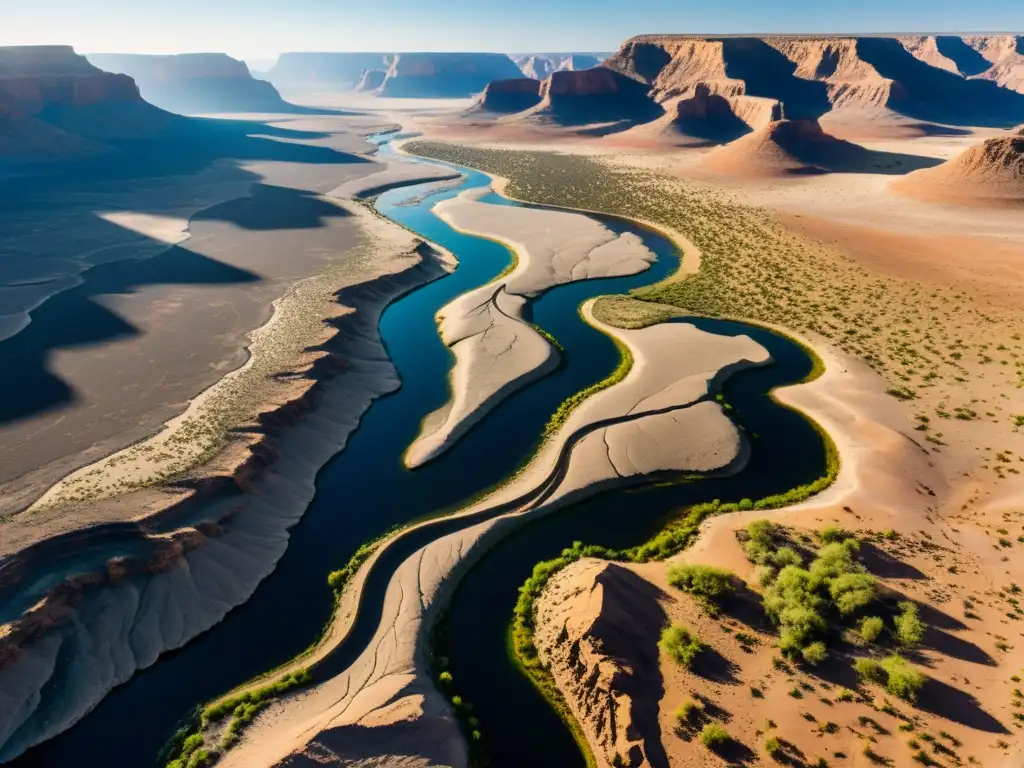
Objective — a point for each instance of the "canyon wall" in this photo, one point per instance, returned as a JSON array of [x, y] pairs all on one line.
[[195, 83], [445, 75], [325, 71], [55, 105]]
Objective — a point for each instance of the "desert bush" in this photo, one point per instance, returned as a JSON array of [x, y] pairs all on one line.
[[773, 747], [909, 627], [785, 556], [833, 534], [870, 670], [688, 712], [681, 645], [701, 580], [713, 736], [904, 680], [760, 539], [852, 592], [871, 628], [815, 653]]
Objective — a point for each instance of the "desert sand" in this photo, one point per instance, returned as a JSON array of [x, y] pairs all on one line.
[[496, 350]]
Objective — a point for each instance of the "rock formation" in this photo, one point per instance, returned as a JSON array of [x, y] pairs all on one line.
[[990, 173], [893, 82], [595, 96], [597, 627], [539, 66], [371, 80], [54, 105], [786, 147], [508, 96], [195, 83], [445, 75], [312, 71]]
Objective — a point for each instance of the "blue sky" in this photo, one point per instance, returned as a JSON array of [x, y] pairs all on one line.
[[263, 28]]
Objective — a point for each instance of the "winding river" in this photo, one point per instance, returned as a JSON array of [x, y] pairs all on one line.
[[365, 490]]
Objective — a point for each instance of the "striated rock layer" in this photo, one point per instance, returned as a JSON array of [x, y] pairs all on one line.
[[55, 105], [195, 83]]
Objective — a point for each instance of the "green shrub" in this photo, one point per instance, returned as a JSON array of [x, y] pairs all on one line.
[[852, 592], [760, 541], [904, 680], [785, 556], [870, 670], [689, 711], [815, 653], [713, 736], [833, 534], [701, 580], [681, 645], [909, 628], [445, 678], [773, 747], [871, 628]]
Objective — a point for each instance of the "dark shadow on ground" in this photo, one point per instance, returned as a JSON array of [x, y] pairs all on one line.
[[956, 705], [711, 665], [883, 565], [73, 318], [274, 208]]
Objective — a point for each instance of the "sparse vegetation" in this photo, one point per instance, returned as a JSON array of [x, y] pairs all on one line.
[[680, 644], [714, 737], [702, 581], [870, 628]]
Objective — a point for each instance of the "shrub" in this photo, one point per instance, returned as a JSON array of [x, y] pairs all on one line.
[[852, 592], [773, 747], [871, 628], [680, 644], [445, 678], [833, 534], [784, 556], [760, 539], [904, 680], [688, 711], [713, 736], [870, 670], [701, 580], [909, 628], [815, 653]]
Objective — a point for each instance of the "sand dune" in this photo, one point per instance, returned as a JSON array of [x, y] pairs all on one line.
[[988, 173]]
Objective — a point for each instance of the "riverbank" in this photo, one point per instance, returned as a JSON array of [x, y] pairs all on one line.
[[322, 353]]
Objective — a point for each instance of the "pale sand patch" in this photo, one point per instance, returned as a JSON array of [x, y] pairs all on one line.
[[317, 724], [165, 229], [496, 351], [391, 175]]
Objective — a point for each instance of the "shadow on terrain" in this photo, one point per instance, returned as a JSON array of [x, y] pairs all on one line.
[[73, 317], [959, 706], [769, 74], [885, 566], [968, 61]]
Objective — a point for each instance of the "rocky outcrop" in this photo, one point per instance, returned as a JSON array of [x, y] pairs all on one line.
[[539, 66], [597, 629], [445, 75], [598, 95], [371, 80], [195, 83], [509, 96], [990, 173], [54, 104], [1006, 55], [312, 71]]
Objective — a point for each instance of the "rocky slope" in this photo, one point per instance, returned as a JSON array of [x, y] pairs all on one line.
[[445, 75], [990, 173], [594, 96], [508, 96], [308, 70], [539, 66], [371, 80], [597, 627], [195, 83], [55, 105], [786, 147]]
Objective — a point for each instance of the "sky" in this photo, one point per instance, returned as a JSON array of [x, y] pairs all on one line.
[[255, 29]]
